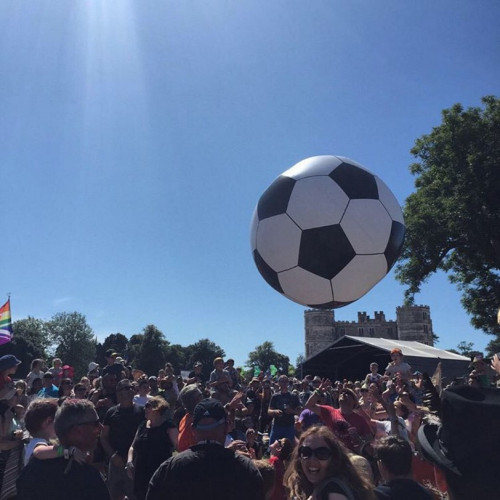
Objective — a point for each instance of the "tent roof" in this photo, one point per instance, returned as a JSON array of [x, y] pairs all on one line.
[[351, 356], [409, 348]]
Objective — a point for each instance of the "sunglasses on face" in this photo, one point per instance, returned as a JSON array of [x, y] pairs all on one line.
[[321, 453], [149, 405]]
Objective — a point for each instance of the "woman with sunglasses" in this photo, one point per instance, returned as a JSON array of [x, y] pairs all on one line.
[[154, 442], [320, 469], [66, 388]]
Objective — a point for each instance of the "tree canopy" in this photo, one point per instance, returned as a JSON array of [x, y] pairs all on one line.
[[205, 351], [74, 338], [453, 217], [29, 341], [265, 355], [151, 356], [116, 341]]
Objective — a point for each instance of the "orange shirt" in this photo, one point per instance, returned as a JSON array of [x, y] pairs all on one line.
[[186, 435]]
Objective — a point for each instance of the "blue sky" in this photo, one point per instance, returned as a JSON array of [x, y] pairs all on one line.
[[137, 137]]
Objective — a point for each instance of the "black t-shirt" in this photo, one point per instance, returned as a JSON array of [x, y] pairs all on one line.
[[152, 447], [199, 376], [402, 489], [332, 486], [123, 423], [49, 479], [283, 402], [207, 471]]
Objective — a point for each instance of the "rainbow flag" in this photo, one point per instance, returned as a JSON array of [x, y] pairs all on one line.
[[5, 324]]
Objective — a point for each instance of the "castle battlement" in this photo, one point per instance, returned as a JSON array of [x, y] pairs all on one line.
[[321, 328]]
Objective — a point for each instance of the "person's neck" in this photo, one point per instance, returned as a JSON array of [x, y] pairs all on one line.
[[45, 435]]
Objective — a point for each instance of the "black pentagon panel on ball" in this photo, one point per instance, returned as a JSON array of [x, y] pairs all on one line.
[[267, 272], [356, 182], [274, 200], [395, 243], [325, 251]]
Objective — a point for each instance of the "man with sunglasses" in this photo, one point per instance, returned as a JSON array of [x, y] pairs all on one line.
[[352, 429], [76, 425], [119, 427]]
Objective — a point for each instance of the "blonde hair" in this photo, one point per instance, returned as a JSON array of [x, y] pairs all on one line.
[[158, 403]]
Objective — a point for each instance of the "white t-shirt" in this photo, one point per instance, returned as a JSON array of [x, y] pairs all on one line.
[[403, 368], [141, 400], [384, 429], [32, 376]]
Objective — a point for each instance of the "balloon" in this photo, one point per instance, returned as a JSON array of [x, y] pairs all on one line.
[[326, 231]]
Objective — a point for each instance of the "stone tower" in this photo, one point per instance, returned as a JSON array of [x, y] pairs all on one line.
[[320, 331], [414, 323]]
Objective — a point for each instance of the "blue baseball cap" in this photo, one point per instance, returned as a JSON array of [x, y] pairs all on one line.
[[8, 361]]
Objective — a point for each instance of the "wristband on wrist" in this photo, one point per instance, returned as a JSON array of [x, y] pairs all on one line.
[[59, 450], [317, 393]]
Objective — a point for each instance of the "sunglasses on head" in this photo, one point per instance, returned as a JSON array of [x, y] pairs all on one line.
[[321, 453]]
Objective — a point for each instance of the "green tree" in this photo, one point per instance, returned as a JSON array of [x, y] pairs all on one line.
[[453, 217], [134, 348], [152, 354], [265, 355], [466, 348], [493, 347], [116, 341], [74, 340], [176, 355], [298, 365], [205, 351], [29, 341]]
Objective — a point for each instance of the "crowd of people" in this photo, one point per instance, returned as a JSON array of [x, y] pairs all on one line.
[[119, 433]]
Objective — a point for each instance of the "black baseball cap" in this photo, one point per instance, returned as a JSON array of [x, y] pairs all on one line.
[[209, 408]]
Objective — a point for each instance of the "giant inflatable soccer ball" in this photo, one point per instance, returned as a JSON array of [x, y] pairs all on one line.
[[326, 231]]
